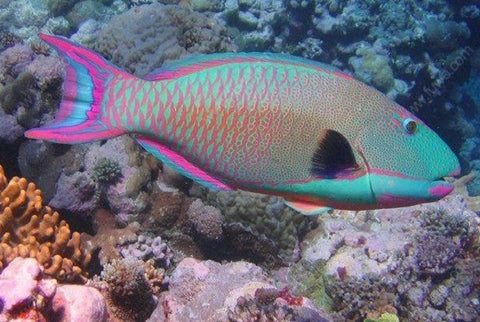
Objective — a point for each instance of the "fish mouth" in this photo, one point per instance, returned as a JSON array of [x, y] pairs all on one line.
[[443, 185]]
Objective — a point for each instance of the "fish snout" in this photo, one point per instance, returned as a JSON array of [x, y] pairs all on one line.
[[396, 191]]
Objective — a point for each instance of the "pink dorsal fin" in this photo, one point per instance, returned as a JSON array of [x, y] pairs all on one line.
[[194, 64]]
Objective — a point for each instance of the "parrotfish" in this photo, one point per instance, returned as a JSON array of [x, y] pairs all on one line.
[[261, 122]]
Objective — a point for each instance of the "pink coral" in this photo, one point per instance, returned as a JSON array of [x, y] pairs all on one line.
[[27, 294]]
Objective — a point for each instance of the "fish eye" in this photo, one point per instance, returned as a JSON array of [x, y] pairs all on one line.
[[410, 126]]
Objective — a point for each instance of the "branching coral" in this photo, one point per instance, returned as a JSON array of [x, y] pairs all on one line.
[[30, 229]]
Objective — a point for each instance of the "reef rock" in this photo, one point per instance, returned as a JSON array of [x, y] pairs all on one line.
[[416, 262], [77, 303], [210, 291], [26, 293]]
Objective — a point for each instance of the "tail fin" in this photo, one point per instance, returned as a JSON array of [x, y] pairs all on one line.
[[79, 118]]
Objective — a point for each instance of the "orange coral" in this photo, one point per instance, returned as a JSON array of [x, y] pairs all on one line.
[[30, 229]]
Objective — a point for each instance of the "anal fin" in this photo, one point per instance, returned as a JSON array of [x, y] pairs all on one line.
[[306, 208], [180, 164]]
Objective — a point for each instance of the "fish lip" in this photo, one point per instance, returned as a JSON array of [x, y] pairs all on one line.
[[440, 188]]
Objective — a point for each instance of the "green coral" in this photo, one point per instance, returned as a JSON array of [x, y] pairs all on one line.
[[385, 317], [309, 280], [58, 8], [266, 217], [107, 171], [378, 67]]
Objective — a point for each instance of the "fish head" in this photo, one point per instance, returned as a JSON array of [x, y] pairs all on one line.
[[405, 160]]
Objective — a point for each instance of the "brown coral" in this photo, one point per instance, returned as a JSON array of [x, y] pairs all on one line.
[[129, 287], [109, 236], [30, 229]]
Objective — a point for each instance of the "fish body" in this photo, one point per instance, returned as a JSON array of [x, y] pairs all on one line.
[[259, 122]]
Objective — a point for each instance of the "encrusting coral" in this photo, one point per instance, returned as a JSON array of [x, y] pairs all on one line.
[[30, 229]]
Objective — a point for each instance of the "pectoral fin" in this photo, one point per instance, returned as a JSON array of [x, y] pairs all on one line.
[[305, 208], [333, 156]]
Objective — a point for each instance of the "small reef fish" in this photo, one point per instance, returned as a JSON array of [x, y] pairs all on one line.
[[267, 123]]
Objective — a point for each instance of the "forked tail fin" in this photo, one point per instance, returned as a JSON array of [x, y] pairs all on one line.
[[79, 118]]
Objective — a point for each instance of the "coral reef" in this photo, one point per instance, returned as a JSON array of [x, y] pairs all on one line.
[[78, 303], [372, 68], [208, 291], [31, 296], [234, 225], [27, 293], [44, 162], [7, 39], [385, 317], [75, 178], [30, 229], [207, 220], [410, 262], [256, 23], [106, 171], [127, 194], [23, 18]]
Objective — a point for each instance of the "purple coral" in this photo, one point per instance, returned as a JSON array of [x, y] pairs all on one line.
[[145, 248], [436, 254], [194, 284], [207, 220], [13, 61], [29, 85], [10, 130]]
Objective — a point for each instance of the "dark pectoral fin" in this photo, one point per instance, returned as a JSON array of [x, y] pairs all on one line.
[[333, 155]]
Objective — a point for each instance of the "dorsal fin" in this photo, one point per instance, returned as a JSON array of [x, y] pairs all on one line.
[[195, 63], [333, 155]]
